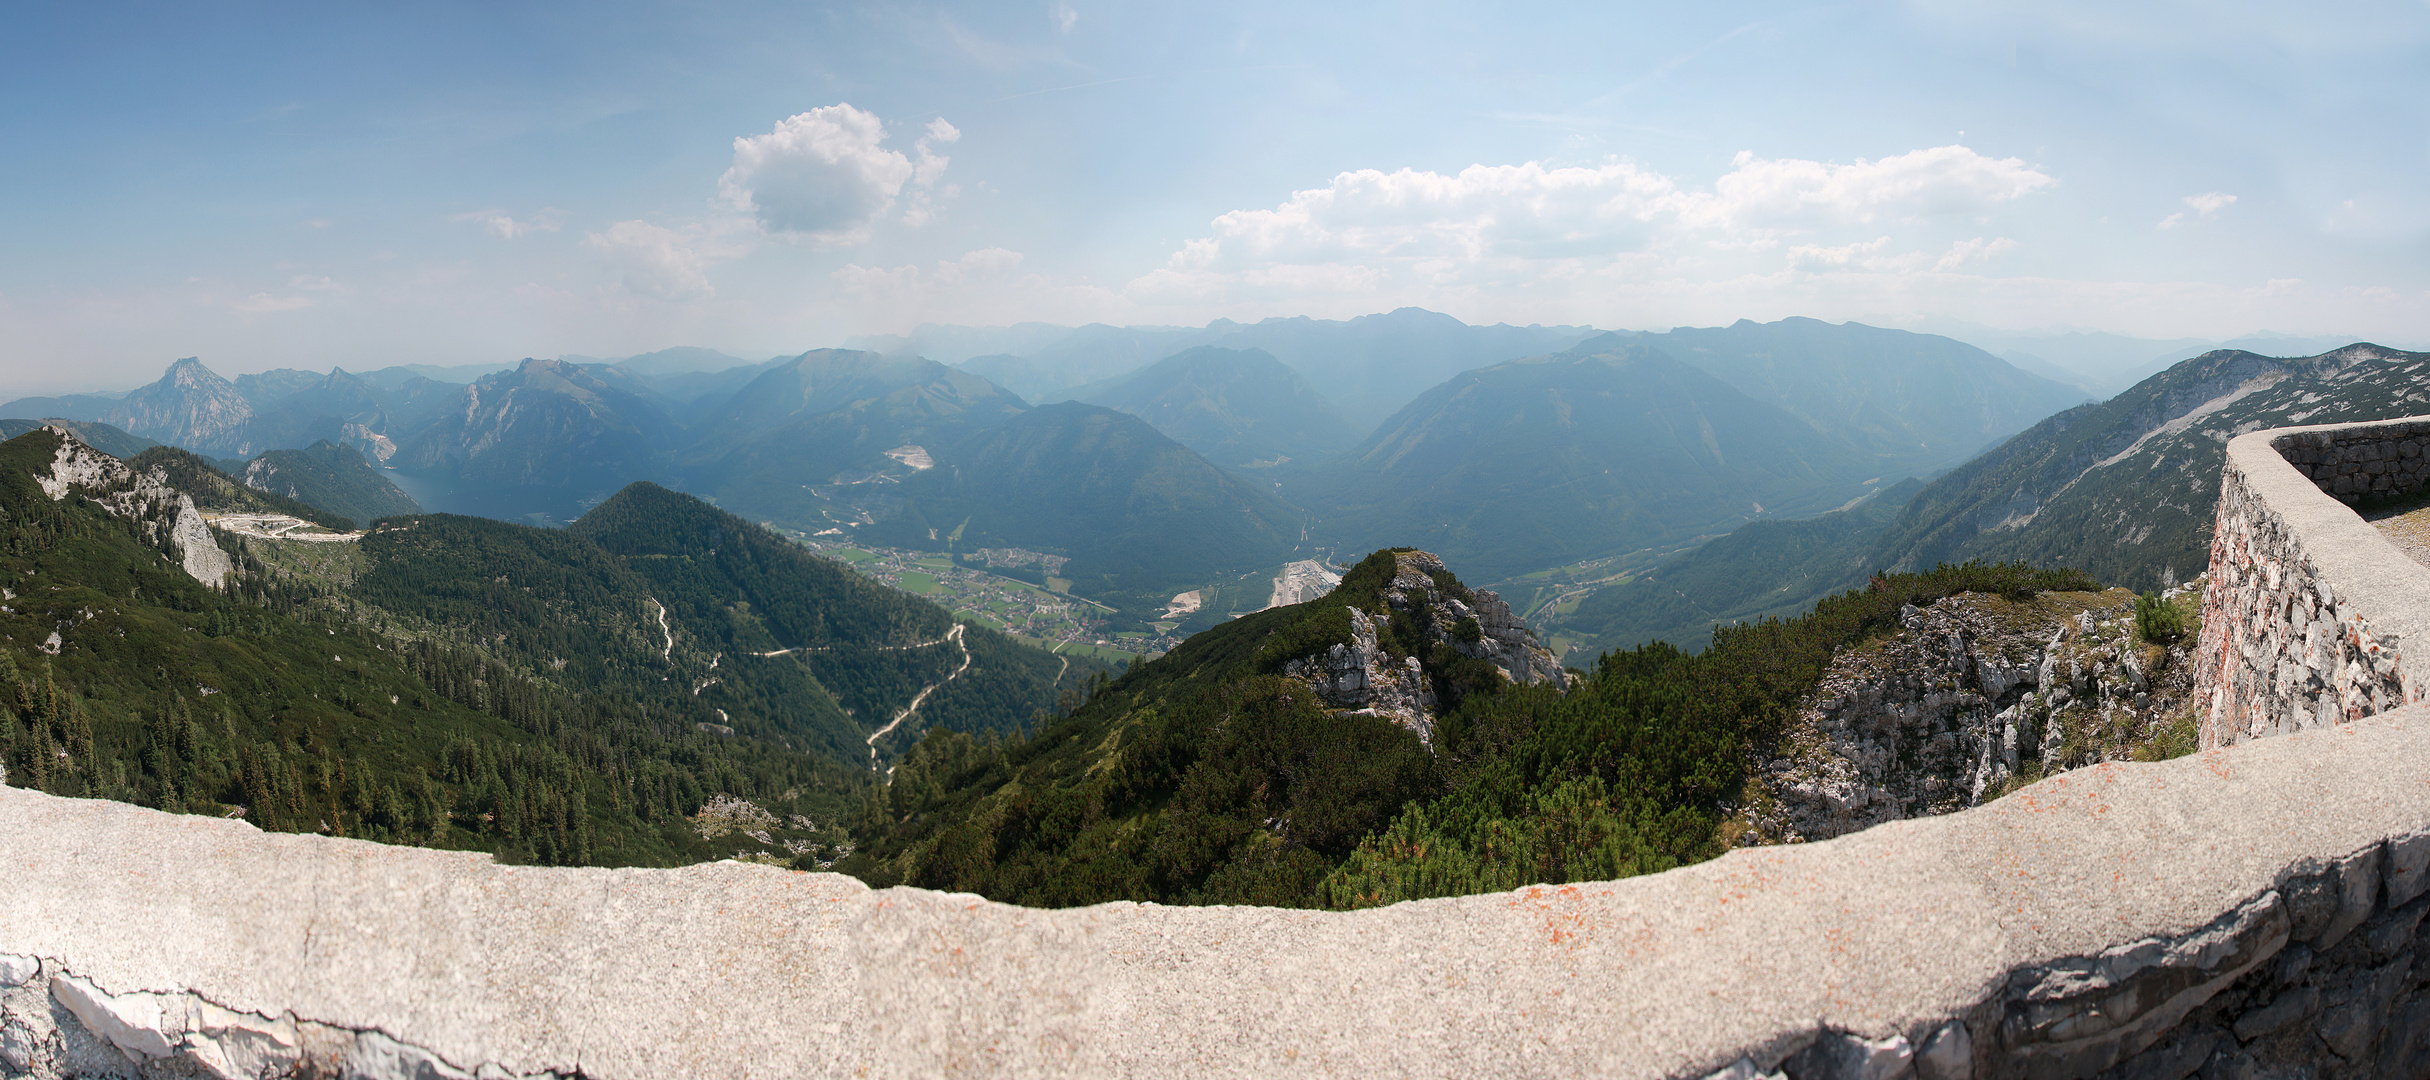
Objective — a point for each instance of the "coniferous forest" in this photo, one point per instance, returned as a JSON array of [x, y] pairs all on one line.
[[561, 697]]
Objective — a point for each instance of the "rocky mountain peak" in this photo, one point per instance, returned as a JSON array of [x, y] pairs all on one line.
[[191, 406], [1407, 637]]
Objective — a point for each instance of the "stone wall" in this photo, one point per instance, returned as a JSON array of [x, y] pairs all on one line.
[[2244, 908], [2309, 609]]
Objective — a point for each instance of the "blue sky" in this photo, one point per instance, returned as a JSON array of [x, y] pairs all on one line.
[[307, 185]]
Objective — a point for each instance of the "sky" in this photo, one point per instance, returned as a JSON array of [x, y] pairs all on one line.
[[269, 185]]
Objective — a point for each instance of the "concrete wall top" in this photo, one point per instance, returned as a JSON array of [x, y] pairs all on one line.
[[2022, 918]]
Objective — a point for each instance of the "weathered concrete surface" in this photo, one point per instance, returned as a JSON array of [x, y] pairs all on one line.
[[2310, 611], [2067, 926]]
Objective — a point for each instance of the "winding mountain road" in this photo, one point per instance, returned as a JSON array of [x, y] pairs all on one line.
[[954, 635]]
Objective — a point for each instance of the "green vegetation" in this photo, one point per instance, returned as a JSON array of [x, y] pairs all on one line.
[[212, 489], [568, 696], [331, 477], [2158, 621], [1201, 777], [1139, 515], [1511, 468], [1764, 569]]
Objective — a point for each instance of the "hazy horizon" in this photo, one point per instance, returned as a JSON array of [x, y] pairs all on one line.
[[294, 186]]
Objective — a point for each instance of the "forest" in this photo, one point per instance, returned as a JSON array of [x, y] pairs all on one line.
[[465, 683], [1202, 777]]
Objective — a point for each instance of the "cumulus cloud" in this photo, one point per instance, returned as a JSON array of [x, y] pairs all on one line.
[[653, 260], [1975, 250], [824, 177], [1792, 194], [505, 227], [1065, 16], [1438, 237], [2206, 206]]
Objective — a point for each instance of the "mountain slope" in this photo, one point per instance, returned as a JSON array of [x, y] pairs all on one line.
[[190, 406], [608, 693], [828, 438], [549, 437], [99, 436], [1763, 569], [338, 407], [1140, 515], [331, 477], [1540, 462], [1233, 406], [2125, 489], [1917, 402]]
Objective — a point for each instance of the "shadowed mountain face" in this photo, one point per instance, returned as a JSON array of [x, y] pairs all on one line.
[[2126, 489], [549, 434], [1917, 403], [1234, 406], [1138, 513], [330, 476], [828, 437], [1764, 569], [1608, 447]]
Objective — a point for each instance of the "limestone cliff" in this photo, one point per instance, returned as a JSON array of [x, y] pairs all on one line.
[[1384, 669], [1970, 697], [162, 513]]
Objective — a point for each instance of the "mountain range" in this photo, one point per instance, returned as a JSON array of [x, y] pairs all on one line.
[[2123, 489], [1190, 457]]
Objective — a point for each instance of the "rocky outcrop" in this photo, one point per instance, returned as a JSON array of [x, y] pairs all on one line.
[[1970, 696], [1366, 675], [162, 513]]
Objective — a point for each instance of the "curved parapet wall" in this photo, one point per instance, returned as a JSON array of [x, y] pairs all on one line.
[[2255, 906], [2311, 616]]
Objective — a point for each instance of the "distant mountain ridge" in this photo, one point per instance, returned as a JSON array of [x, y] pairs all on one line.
[[2123, 489], [1235, 406], [1367, 367], [1917, 402], [1611, 446]]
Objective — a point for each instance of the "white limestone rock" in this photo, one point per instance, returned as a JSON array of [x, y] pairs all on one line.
[[18, 970], [1361, 677], [146, 498]]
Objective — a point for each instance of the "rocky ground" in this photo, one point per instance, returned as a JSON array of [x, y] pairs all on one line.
[[1973, 696]]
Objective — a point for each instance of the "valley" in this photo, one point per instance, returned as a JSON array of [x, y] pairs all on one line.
[[877, 613]]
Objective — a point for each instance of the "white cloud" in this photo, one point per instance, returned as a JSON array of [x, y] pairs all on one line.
[[2207, 205], [1975, 250], [653, 260], [262, 303], [1065, 16], [1428, 237], [823, 176], [505, 227]]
